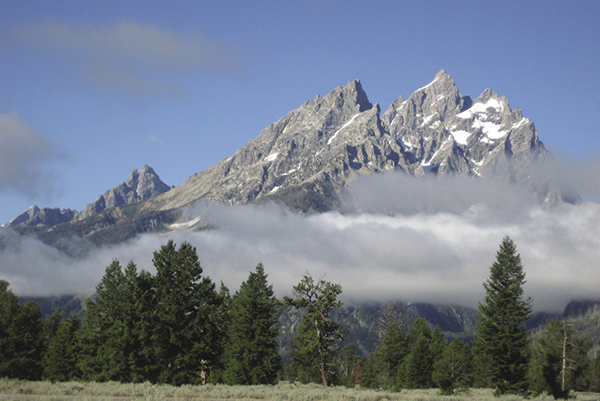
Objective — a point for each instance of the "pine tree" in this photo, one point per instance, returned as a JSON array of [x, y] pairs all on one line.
[[418, 364], [452, 371], [223, 320], [384, 369], [251, 351], [438, 343], [21, 337], [61, 355], [51, 325], [501, 334], [188, 317], [317, 337], [113, 346]]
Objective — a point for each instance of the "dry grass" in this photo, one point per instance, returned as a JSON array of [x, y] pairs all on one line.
[[283, 391]]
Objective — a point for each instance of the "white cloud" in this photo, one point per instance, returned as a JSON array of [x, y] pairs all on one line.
[[24, 154], [129, 56], [436, 257]]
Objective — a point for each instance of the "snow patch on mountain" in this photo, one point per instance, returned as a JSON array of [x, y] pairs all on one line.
[[271, 157], [343, 126], [460, 136], [428, 85], [478, 108]]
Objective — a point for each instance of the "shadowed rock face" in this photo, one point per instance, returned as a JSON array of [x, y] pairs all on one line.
[[307, 158]]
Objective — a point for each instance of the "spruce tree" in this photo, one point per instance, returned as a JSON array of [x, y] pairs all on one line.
[[452, 371], [384, 365], [188, 317], [21, 337], [418, 364], [392, 351], [112, 345], [502, 337], [251, 352], [318, 337], [61, 355]]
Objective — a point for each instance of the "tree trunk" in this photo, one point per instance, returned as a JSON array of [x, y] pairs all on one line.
[[564, 358], [324, 370]]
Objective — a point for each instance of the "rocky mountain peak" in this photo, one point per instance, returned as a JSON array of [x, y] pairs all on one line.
[[138, 187], [308, 157]]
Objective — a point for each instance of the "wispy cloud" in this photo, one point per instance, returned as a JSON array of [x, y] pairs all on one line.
[[155, 139], [24, 154], [129, 56]]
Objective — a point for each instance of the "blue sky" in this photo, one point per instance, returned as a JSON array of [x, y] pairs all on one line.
[[91, 90]]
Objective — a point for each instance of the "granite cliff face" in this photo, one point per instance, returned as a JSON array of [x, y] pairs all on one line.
[[310, 156]]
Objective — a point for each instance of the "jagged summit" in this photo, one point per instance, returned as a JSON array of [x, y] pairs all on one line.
[[308, 157], [34, 216]]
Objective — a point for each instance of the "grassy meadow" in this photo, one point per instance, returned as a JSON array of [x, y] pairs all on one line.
[[18, 390]]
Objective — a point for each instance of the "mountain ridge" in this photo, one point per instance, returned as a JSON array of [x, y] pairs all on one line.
[[138, 187], [309, 158]]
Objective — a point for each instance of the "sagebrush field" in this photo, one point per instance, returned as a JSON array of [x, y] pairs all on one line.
[[44, 390]]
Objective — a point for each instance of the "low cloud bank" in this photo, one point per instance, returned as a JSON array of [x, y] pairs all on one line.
[[438, 256]]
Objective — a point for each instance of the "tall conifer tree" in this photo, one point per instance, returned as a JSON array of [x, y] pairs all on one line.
[[21, 337], [188, 317], [317, 336], [251, 352], [502, 337], [112, 347], [60, 359], [418, 364]]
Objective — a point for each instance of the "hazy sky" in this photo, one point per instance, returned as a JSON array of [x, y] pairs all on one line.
[[91, 90]]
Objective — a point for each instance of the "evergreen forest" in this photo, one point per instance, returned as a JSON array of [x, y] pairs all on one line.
[[179, 327]]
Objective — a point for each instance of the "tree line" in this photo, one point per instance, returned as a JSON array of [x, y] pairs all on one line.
[[177, 327]]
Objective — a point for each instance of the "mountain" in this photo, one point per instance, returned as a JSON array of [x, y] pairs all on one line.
[[101, 221], [310, 157], [139, 186]]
